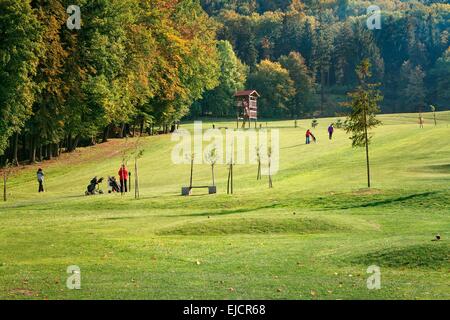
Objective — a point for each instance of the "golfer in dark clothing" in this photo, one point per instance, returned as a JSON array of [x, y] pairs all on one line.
[[40, 178], [331, 131]]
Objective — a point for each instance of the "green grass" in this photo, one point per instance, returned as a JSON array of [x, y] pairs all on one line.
[[256, 225], [311, 237], [432, 255]]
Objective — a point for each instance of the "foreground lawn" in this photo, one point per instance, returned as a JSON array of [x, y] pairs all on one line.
[[311, 237]]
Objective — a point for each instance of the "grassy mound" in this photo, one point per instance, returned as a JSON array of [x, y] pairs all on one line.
[[431, 256], [294, 225]]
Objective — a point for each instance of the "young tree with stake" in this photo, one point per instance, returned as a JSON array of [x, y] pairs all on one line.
[[137, 154], [364, 105], [269, 163], [433, 109], [258, 159], [230, 172], [211, 157]]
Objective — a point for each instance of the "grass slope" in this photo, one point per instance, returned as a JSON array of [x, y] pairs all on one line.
[[311, 237]]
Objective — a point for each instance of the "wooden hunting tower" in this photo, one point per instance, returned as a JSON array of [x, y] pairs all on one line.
[[247, 107]]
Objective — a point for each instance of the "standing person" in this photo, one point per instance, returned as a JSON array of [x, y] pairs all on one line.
[[40, 179], [308, 136], [331, 131], [421, 120], [123, 174]]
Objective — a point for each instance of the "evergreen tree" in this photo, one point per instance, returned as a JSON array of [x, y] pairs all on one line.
[[303, 83], [364, 104]]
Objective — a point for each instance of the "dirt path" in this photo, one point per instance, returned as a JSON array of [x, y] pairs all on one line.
[[112, 148]]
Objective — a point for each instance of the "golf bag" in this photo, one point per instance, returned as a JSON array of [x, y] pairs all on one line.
[[93, 188], [113, 186]]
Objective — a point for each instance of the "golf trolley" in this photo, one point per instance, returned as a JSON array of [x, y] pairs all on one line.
[[94, 187]]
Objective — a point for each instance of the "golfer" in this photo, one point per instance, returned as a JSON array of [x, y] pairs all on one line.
[[330, 131], [308, 136], [123, 175], [40, 179]]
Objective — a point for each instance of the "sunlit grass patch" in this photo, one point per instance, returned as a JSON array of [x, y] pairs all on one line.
[[257, 225]]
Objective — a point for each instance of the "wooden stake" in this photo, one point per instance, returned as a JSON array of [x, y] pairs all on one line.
[[192, 172]]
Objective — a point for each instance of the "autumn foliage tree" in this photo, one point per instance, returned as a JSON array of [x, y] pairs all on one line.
[[20, 49], [132, 61]]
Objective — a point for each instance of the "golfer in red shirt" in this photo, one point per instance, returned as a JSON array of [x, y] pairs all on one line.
[[123, 175]]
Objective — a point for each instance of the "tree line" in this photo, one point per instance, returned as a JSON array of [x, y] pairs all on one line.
[[301, 55], [133, 66], [141, 66]]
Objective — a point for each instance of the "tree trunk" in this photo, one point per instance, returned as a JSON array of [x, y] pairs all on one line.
[[270, 172], [74, 146], [228, 180], [40, 153], [366, 137], [4, 186], [15, 155], [141, 129], [122, 131], [23, 154], [50, 151], [232, 179], [192, 173], [106, 134], [56, 150], [212, 172], [69, 142], [32, 150], [322, 88], [258, 176]]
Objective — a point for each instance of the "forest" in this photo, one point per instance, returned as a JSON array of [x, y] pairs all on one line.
[[139, 67]]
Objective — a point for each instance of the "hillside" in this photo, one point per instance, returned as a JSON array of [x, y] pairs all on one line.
[[310, 237]]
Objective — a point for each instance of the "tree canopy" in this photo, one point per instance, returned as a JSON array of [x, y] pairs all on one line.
[[144, 65]]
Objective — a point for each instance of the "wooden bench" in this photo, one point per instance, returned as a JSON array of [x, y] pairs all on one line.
[[187, 191]]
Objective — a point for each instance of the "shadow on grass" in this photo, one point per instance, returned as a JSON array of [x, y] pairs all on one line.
[[434, 255], [296, 146], [390, 201], [226, 212], [439, 168]]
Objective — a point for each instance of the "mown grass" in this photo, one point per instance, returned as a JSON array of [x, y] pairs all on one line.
[[433, 256], [257, 225], [310, 237]]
